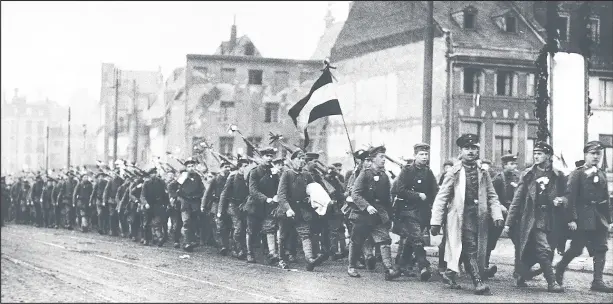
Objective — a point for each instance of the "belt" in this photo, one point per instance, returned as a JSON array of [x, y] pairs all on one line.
[[596, 202]]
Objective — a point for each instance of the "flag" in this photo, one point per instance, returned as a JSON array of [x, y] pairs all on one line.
[[320, 102]]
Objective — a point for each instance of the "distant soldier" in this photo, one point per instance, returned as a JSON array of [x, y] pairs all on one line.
[[47, 205], [36, 194], [338, 168], [333, 231], [81, 199], [190, 192], [57, 206], [464, 202], [24, 198], [122, 198], [155, 199], [210, 203], [64, 199], [447, 165], [109, 199], [97, 198], [5, 200], [16, 199], [232, 198], [176, 223], [536, 207], [370, 213], [588, 215], [415, 188]]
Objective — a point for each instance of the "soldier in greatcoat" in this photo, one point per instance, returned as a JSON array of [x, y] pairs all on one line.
[[370, 213], [109, 199], [537, 206], [176, 223], [210, 204], [233, 197], [97, 198], [463, 205], [36, 194], [588, 216], [155, 200], [414, 193], [81, 200], [122, 197], [64, 199], [133, 213], [190, 192]]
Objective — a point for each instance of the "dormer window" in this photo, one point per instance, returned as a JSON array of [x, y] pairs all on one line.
[[466, 18], [469, 20], [249, 49], [510, 24]]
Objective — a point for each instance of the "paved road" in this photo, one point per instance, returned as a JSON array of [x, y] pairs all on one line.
[[48, 265]]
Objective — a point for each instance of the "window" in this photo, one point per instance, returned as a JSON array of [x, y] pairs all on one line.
[[28, 127], [510, 24], [281, 80], [255, 77], [473, 79], [256, 141], [563, 26], [28, 144], [228, 75], [272, 112], [40, 128], [226, 145], [530, 85], [531, 140], [249, 49], [40, 146], [594, 28], [304, 76], [469, 19], [506, 83], [226, 112], [606, 92], [503, 140], [199, 75], [469, 127], [607, 141]]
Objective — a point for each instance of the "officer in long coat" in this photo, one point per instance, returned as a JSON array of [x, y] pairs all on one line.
[[155, 199], [463, 205], [588, 216], [537, 206], [210, 203], [414, 193], [189, 193], [97, 198], [370, 213], [233, 197]]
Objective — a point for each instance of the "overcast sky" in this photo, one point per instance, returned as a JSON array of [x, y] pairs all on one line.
[[55, 49]]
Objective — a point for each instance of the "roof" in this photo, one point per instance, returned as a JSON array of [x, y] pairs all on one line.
[[239, 50], [387, 24], [327, 40]]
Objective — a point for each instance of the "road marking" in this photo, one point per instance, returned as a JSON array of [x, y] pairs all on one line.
[[192, 279], [268, 298]]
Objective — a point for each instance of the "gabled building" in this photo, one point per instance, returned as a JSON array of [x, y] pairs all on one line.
[[483, 77]]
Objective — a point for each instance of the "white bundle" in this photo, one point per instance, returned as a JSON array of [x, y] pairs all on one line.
[[319, 198]]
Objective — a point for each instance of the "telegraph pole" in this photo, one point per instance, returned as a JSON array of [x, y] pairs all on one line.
[[68, 163], [427, 88], [117, 74], [136, 126]]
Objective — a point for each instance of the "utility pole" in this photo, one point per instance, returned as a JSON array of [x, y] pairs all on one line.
[[116, 132], [427, 88], [47, 150], [136, 126], [68, 163], [84, 146]]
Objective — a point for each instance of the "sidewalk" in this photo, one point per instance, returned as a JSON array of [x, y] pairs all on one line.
[[504, 254]]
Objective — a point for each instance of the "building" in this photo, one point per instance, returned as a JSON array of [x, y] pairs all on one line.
[[133, 129], [483, 76], [331, 31], [236, 85], [25, 145]]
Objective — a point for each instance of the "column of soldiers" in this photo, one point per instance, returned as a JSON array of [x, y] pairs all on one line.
[[271, 204]]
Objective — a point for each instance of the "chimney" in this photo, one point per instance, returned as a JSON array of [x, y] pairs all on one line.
[[233, 35]]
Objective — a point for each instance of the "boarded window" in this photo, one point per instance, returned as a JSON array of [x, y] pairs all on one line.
[[271, 112], [255, 77]]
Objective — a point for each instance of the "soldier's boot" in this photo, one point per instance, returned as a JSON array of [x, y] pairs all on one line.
[[552, 285], [450, 278], [489, 271], [534, 273], [354, 252], [398, 260], [598, 284], [307, 247], [425, 272], [283, 264], [472, 268], [560, 268], [271, 241], [391, 272], [250, 252]]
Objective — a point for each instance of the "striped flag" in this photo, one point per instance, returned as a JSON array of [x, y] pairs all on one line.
[[320, 102]]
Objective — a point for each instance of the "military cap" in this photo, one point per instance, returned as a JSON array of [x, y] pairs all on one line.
[[242, 161], [337, 164], [448, 163], [376, 150], [486, 161], [298, 153], [421, 147], [543, 147], [579, 163], [152, 171], [467, 140], [278, 160], [225, 163], [101, 174], [312, 155], [360, 154], [508, 158], [593, 146], [268, 151], [190, 161]]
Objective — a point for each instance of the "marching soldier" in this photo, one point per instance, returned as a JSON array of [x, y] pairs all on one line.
[[338, 168], [464, 202], [5, 200], [16, 199], [447, 165], [535, 209], [97, 198], [296, 210], [588, 216], [370, 213], [25, 202], [232, 199], [155, 199], [65, 199], [122, 198], [36, 194], [174, 209], [57, 206], [48, 205], [210, 203], [333, 232], [109, 199], [261, 206], [190, 192], [415, 191], [81, 199]]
